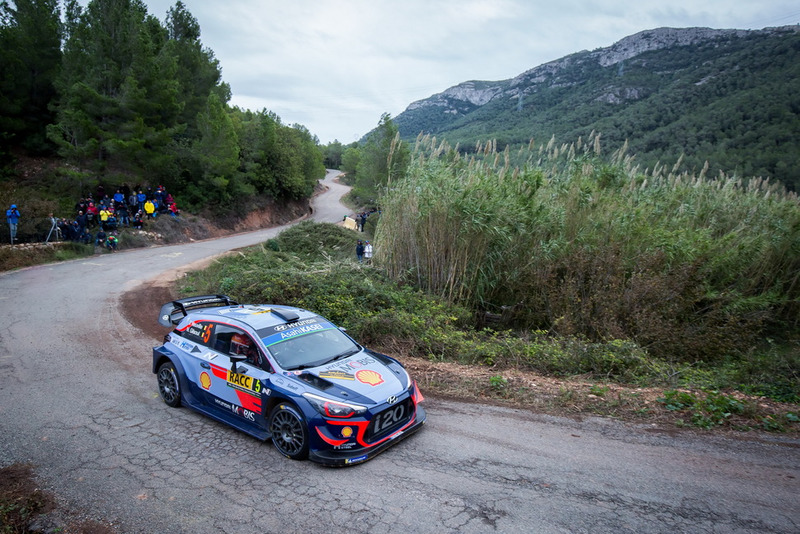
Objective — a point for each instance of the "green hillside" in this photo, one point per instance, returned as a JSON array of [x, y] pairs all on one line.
[[729, 98]]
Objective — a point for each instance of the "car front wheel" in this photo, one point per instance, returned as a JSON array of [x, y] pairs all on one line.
[[289, 432], [169, 387]]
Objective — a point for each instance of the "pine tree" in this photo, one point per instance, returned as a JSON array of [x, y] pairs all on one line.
[[30, 56], [118, 105]]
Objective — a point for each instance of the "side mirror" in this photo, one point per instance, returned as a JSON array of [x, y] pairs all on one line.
[[236, 358]]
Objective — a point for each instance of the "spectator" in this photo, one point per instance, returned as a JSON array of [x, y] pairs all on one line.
[[111, 222], [82, 221], [137, 220], [91, 215], [133, 202], [100, 239], [360, 251], [141, 197], [173, 209], [12, 216], [150, 208], [66, 230], [104, 215], [111, 243], [124, 215], [368, 252]]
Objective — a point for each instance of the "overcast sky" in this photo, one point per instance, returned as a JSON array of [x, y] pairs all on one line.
[[335, 66]]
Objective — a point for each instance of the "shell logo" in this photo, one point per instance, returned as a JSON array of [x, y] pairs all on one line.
[[347, 432], [368, 376], [205, 380]]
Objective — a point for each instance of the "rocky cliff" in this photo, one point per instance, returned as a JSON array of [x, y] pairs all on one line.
[[467, 96]]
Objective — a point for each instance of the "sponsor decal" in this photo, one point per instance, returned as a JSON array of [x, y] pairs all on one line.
[[368, 376], [185, 345], [344, 446], [288, 331], [238, 410], [392, 399], [282, 327], [346, 366], [205, 380], [347, 432], [340, 375], [244, 383], [208, 356], [356, 459], [301, 330]]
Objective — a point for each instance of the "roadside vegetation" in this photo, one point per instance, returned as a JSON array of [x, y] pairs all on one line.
[[651, 293], [312, 266]]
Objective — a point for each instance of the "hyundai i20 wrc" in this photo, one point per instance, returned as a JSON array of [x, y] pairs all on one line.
[[285, 374]]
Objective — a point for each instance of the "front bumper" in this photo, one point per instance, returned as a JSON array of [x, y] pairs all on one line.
[[339, 458]]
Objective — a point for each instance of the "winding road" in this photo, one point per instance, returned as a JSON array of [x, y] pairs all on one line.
[[78, 401]]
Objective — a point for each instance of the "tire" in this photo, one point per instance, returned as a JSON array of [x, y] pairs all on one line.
[[169, 386], [289, 431]]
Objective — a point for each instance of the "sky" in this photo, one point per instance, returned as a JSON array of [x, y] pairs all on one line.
[[335, 66]]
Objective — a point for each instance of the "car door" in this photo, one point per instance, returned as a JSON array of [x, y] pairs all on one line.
[[196, 344], [235, 375]]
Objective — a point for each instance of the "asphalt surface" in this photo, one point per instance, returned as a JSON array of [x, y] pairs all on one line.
[[79, 402]]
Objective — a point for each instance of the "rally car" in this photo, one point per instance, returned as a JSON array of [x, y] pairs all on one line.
[[285, 374]]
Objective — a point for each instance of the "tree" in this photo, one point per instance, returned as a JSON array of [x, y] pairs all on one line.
[[30, 56], [217, 151], [382, 157], [118, 108], [333, 155], [198, 72], [350, 160]]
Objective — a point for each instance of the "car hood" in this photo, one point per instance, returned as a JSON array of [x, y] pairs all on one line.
[[362, 377]]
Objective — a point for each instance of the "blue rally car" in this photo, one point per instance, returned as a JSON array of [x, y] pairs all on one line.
[[285, 374]]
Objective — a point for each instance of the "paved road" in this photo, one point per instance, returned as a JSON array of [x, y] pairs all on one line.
[[78, 400]]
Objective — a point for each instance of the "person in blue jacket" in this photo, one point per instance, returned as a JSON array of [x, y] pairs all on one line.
[[12, 216]]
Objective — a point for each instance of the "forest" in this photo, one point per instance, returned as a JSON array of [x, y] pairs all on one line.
[[114, 96]]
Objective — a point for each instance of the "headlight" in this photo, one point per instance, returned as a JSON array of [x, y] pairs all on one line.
[[332, 408]]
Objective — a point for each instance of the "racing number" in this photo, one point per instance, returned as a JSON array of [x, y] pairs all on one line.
[[388, 418], [207, 329]]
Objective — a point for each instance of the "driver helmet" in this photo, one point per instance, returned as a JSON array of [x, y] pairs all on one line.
[[240, 344]]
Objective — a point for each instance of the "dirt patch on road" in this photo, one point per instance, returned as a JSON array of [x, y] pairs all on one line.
[[27, 509]]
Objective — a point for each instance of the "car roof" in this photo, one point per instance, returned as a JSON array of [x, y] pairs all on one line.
[[219, 307], [257, 316]]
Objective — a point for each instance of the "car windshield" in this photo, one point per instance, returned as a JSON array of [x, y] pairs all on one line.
[[312, 349]]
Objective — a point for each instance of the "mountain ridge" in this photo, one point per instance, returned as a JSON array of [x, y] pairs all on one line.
[[698, 92], [625, 48]]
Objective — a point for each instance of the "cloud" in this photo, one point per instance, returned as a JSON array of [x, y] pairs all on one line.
[[336, 66]]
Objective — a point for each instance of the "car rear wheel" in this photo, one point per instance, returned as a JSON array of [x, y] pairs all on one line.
[[169, 387], [289, 431]]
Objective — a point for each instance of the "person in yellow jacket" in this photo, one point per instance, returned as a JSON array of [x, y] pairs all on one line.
[[104, 214], [150, 208]]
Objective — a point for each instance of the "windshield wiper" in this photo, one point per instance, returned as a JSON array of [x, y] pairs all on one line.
[[345, 354]]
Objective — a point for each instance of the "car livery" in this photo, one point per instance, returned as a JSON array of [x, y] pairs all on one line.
[[285, 374]]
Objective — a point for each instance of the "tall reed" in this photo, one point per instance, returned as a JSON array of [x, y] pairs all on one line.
[[563, 238]]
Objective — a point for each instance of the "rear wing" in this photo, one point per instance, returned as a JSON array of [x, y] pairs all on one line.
[[172, 312]]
